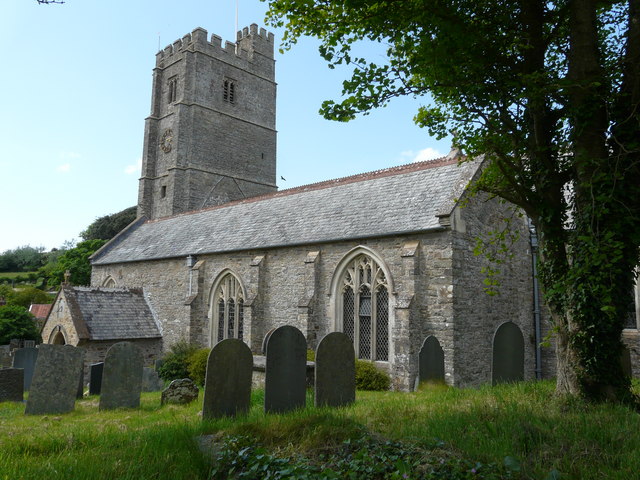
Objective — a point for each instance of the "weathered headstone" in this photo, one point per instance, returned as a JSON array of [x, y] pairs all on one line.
[[11, 384], [625, 361], [335, 375], [181, 391], [121, 377], [55, 379], [508, 354], [285, 373], [431, 361], [95, 378], [25, 358], [5, 356], [151, 382], [227, 389]]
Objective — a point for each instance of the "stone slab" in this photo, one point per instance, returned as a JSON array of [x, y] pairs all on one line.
[[151, 382], [227, 389], [285, 373], [121, 377], [335, 375], [95, 378], [25, 358], [11, 385], [55, 379]]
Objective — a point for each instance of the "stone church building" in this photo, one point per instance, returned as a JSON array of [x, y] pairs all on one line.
[[386, 257]]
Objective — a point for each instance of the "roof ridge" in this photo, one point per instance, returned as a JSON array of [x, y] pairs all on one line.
[[358, 177]]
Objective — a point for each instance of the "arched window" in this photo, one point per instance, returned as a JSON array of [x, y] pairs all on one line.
[[226, 309], [109, 282], [363, 313]]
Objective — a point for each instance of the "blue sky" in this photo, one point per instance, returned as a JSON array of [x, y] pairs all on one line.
[[76, 85]]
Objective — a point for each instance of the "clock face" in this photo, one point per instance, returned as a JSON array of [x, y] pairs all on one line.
[[166, 140]]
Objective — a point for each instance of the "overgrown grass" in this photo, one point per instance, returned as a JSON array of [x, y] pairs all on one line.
[[524, 423]]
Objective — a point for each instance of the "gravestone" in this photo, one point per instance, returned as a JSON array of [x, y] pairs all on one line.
[[151, 382], [25, 358], [121, 377], [508, 354], [5, 356], [625, 362], [55, 379], [335, 375], [285, 372], [181, 392], [11, 384], [227, 388], [431, 361], [95, 378]]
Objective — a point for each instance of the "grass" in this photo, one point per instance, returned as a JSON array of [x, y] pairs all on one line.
[[524, 423]]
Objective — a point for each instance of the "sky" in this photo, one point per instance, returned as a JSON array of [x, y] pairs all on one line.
[[76, 88]]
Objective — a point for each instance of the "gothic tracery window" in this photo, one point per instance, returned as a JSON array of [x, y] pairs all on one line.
[[227, 309], [365, 308]]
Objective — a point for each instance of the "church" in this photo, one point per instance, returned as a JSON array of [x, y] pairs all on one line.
[[387, 257]]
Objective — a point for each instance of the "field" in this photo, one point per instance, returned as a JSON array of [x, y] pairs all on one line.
[[516, 431]]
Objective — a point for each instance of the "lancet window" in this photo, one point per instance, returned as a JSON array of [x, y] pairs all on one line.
[[365, 308], [227, 309]]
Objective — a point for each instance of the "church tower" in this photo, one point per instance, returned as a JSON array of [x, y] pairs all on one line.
[[211, 135]]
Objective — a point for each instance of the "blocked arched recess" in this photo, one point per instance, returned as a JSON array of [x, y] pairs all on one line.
[[431, 361], [225, 307], [508, 354], [109, 282], [379, 295], [58, 336]]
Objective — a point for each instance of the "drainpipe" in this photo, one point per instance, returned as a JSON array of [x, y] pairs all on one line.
[[536, 298]]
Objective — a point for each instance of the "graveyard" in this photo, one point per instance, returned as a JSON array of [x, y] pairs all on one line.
[[293, 429]]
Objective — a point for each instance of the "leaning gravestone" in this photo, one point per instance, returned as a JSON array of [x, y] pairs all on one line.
[[55, 379], [227, 388], [151, 382], [11, 384], [95, 378], [285, 372], [180, 391], [121, 377], [431, 361], [25, 358], [335, 375]]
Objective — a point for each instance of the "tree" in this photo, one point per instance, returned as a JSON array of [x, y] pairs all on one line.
[[548, 91], [17, 322], [76, 261], [22, 259], [107, 227]]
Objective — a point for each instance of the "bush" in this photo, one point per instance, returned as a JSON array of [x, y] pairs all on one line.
[[197, 365], [17, 322], [175, 362], [368, 377]]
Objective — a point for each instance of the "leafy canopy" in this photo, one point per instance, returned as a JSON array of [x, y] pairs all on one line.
[[17, 322]]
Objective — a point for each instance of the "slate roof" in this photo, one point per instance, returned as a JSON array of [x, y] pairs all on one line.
[[111, 313], [397, 200]]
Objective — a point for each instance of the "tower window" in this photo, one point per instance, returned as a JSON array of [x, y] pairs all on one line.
[[229, 91], [163, 191], [173, 89]]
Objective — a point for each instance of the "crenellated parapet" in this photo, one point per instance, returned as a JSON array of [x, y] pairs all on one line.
[[250, 41]]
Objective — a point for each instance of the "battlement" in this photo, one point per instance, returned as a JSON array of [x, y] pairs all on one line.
[[249, 40]]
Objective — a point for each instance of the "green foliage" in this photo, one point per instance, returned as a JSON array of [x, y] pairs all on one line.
[[25, 296], [175, 363], [311, 355], [107, 227], [368, 377], [22, 259], [17, 322], [76, 261], [197, 365]]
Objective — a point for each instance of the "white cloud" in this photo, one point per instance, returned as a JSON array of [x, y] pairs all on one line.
[[134, 168], [65, 167], [422, 155]]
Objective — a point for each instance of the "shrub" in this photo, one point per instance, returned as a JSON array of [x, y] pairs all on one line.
[[17, 322], [175, 362], [368, 377], [197, 365]]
